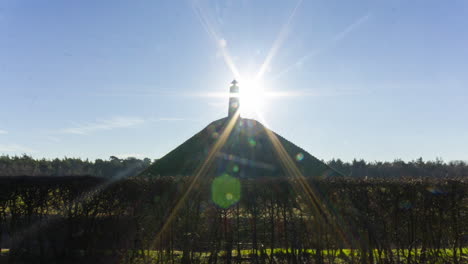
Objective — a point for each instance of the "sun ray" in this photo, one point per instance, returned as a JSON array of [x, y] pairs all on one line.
[[278, 42], [83, 197], [219, 41], [202, 170], [336, 39], [299, 182]]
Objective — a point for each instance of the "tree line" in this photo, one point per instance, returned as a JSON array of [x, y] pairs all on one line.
[[115, 167], [275, 220], [400, 169]]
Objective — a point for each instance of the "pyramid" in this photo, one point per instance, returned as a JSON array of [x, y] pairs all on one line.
[[239, 147], [248, 152]]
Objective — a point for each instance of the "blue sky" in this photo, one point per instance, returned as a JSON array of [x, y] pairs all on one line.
[[377, 80]]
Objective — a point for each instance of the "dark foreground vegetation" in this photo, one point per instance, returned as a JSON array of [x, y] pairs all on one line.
[[139, 220]]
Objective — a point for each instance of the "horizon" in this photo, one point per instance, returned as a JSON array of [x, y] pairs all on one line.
[[362, 80]]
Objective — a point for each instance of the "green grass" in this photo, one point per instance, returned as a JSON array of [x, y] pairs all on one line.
[[336, 254], [4, 251]]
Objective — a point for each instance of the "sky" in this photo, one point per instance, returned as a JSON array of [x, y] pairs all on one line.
[[377, 80]]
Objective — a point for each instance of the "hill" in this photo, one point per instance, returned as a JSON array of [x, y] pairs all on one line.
[[248, 152]]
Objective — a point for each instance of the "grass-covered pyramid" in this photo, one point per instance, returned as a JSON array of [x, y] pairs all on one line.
[[248, 152]]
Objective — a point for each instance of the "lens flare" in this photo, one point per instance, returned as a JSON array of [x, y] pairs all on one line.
[[225, 191], [252, 142], [299, 156]]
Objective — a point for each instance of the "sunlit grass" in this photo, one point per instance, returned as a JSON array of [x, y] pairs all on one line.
[[339, 256]]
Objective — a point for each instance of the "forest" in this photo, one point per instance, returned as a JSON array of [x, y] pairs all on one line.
[[115, 167]]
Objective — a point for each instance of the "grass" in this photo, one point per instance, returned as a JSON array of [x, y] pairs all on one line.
[[4, 251], [338, 256]]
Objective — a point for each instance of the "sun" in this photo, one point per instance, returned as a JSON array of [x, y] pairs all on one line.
[[252, 97]]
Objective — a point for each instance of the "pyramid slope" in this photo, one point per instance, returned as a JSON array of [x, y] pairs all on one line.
[[247, 153]]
